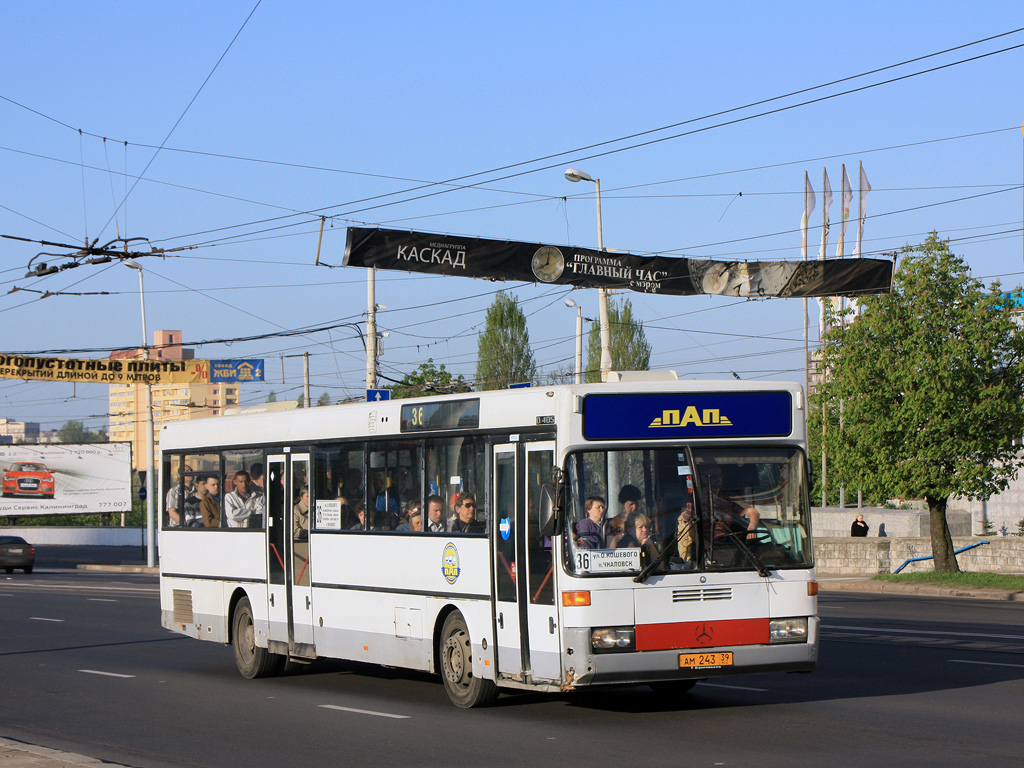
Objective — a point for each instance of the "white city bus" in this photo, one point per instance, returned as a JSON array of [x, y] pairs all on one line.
[[349, 532]]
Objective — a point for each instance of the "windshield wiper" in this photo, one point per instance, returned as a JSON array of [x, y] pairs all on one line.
[[646, 571], [739, 537]]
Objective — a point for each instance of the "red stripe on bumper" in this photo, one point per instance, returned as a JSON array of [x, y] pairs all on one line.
[[701, 634]]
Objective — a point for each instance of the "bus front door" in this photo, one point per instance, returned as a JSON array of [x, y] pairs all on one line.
[[289, 594], [525, 616]]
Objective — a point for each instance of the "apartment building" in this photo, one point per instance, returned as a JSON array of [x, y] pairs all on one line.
[[171, 402]]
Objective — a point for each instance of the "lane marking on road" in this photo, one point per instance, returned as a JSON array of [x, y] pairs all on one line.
[[365, 712], [105, 674], [986, 663], [894, 631], [41, 618], [734, 687], [101, 600]]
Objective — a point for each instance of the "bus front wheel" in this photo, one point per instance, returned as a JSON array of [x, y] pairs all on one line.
[[463, 688], [251, 660]]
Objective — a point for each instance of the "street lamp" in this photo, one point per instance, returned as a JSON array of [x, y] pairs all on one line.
[[574, 175], [150, 468], [579, 339]]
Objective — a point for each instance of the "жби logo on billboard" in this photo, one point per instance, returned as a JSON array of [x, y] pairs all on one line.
[[450, 563]]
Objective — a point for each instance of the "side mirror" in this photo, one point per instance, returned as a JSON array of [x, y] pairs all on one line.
[[551, 498]]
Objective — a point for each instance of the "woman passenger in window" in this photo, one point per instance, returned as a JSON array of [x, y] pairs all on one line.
[[588, 530], [638, 534]]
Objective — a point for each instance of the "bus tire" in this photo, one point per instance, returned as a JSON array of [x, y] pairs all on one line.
[[465, 690], [251, 660]]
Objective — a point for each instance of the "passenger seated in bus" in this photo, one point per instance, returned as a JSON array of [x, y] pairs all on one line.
[[615, 529], [208, 491], [727, 517], [240, 504], [300, 516], [588, 531], [638, 535], [412, 519], [465, 516], [435, 514], [360, 512]]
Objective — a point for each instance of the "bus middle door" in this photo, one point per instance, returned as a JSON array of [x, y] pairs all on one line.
[[289, 593], [525, 614]]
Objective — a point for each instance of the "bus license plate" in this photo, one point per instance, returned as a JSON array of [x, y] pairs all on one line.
[[703, 660]]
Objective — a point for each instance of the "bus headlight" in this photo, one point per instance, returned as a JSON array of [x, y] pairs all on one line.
[[609, 639], [788, 630]]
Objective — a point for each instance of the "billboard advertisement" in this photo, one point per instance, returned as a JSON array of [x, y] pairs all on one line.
[[64, 479]]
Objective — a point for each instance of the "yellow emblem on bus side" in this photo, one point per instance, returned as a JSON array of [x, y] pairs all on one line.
[[450, 563]]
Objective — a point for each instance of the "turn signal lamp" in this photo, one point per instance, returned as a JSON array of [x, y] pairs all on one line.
[[574, 599]]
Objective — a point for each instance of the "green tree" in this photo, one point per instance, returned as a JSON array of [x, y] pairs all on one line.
[[930, 385], [75, 432], [325, 399], [300, 401], [272, 397], [428, 379], [504, 356], [629, 346]]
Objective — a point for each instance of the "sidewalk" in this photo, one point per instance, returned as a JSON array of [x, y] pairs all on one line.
[[17, 754], [868, 584]]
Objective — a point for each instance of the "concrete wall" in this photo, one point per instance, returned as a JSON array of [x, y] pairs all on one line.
[[109, 536], [847, 556], [827, 522]]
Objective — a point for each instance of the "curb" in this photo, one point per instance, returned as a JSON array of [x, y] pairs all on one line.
[[19, 753], [115, 568], [922, 590]]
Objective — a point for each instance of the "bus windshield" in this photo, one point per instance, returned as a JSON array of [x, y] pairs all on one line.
[[687, 509]]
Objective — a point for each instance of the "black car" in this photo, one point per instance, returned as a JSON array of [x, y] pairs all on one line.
[[15, 552]]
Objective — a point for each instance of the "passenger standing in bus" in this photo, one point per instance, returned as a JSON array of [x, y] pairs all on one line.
[[726, 516], [173, 500], [300, 516], [256, 475], [465, 515], [435, 514], [588, 531], [240, 504], [616, 528], [208, 490]]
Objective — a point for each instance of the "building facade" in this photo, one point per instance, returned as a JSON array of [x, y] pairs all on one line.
[[171, 402]]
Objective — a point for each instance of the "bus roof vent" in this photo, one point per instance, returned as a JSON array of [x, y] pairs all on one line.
[[627, 376]]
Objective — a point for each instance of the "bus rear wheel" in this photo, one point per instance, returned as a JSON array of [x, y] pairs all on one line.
[[463, 688], [251, 660]]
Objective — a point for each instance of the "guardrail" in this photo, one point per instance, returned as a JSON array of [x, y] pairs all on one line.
[[931, 557]]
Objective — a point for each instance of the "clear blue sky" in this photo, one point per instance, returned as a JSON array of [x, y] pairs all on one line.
[[331, 104]]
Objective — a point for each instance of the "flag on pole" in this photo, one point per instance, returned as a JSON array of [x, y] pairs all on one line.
[[827, 198], [847, 197], [862, 207], [809, 202]]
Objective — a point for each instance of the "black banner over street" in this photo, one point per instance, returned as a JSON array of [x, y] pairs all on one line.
[[585, 268]]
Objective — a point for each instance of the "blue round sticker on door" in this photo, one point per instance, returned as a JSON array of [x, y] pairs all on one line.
[[505, 528]]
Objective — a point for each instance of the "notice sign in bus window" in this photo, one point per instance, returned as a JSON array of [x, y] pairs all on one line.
[[687, 415], [328, 515]]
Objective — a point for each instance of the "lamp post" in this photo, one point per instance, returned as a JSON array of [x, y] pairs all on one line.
[[574, 175], [579, 339], [148, 405]]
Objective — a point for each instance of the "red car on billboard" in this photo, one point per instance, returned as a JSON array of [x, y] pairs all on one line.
[[28, 478]]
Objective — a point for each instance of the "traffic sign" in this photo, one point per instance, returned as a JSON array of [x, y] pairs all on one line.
[[376, 395]]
